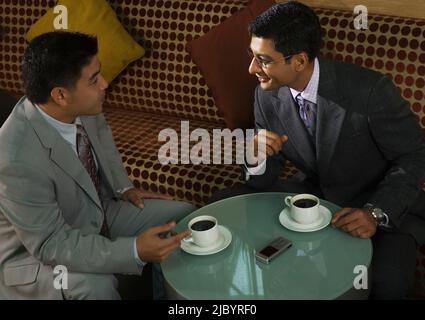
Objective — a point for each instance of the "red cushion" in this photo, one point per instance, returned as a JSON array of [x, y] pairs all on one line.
[[223, 61]]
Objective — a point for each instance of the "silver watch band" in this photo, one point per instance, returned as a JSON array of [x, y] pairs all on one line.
[[385, 222]]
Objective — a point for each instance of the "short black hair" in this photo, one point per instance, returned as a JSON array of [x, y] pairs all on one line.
[[292, 26], [55, 59]]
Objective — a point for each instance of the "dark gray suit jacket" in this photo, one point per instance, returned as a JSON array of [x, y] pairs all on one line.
[[368, 147]]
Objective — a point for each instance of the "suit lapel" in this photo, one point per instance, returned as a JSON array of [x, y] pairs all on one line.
[[288, 115], [60, 152], [330, 116]]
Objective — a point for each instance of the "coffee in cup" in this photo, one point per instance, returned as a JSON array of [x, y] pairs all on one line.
[[203, 225], [204, 230], [304, 208]]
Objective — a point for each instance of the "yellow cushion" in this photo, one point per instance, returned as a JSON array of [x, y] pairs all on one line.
[[117, 49]]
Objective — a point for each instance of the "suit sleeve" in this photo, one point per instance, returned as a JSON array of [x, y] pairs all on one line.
[[399, 137], [28, 202], [119, 174], [274, 164]]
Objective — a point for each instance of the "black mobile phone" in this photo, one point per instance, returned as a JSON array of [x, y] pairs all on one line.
[[274, 248]]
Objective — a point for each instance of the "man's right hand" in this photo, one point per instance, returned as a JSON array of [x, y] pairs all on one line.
[[273, 143], [152, 248]]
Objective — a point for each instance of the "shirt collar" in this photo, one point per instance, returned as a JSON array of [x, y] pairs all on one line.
[[310, 92], [68, 131]]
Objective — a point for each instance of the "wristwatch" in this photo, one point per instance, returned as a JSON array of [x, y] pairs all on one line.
[[377, 213]]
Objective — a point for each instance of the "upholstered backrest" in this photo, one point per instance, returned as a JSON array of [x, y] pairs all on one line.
[[16, 17], [166, 81]]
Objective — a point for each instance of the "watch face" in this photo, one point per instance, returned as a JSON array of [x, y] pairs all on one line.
[[379, 215], [378, 211]]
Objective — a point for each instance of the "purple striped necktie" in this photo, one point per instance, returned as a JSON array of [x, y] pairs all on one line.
[[307, 110]]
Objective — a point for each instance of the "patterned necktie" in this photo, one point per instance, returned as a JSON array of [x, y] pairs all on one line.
[[86, 156], [307, 113]]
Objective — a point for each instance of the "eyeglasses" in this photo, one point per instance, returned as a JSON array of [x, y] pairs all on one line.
[[265, 63]]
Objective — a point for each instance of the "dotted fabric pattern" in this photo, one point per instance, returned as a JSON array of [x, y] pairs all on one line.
[[16, 17], [139, 149], [165, 86], [166, 81]]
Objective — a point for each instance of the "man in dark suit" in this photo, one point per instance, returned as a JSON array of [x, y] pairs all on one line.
[[350, 134]]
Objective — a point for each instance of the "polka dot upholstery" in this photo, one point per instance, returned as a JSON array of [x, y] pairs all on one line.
[[139, 149], [165, 86], [15, 19], [166, 81], [194, 183]]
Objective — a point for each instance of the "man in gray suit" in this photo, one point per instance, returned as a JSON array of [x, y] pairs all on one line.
[[66, 202], [350, 134]]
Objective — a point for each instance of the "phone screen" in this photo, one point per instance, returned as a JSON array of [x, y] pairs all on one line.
[[268, 251]]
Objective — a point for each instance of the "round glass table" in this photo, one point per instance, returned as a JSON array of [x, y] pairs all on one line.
[[319, 265]]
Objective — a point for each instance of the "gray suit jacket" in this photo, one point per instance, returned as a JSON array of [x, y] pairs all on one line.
[[50, 212], [368, 147]]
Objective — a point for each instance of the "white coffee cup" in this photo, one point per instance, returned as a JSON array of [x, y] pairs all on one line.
[[304, 208], [204, 230]]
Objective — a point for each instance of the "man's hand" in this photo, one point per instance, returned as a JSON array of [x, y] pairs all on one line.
[[136, 196], [273, 143], [152, 248], [358, 222]]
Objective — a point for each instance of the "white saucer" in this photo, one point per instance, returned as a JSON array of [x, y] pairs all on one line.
[[223, 242], [286, 220]]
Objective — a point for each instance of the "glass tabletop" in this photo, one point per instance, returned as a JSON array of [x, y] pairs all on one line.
[[319, 265]]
